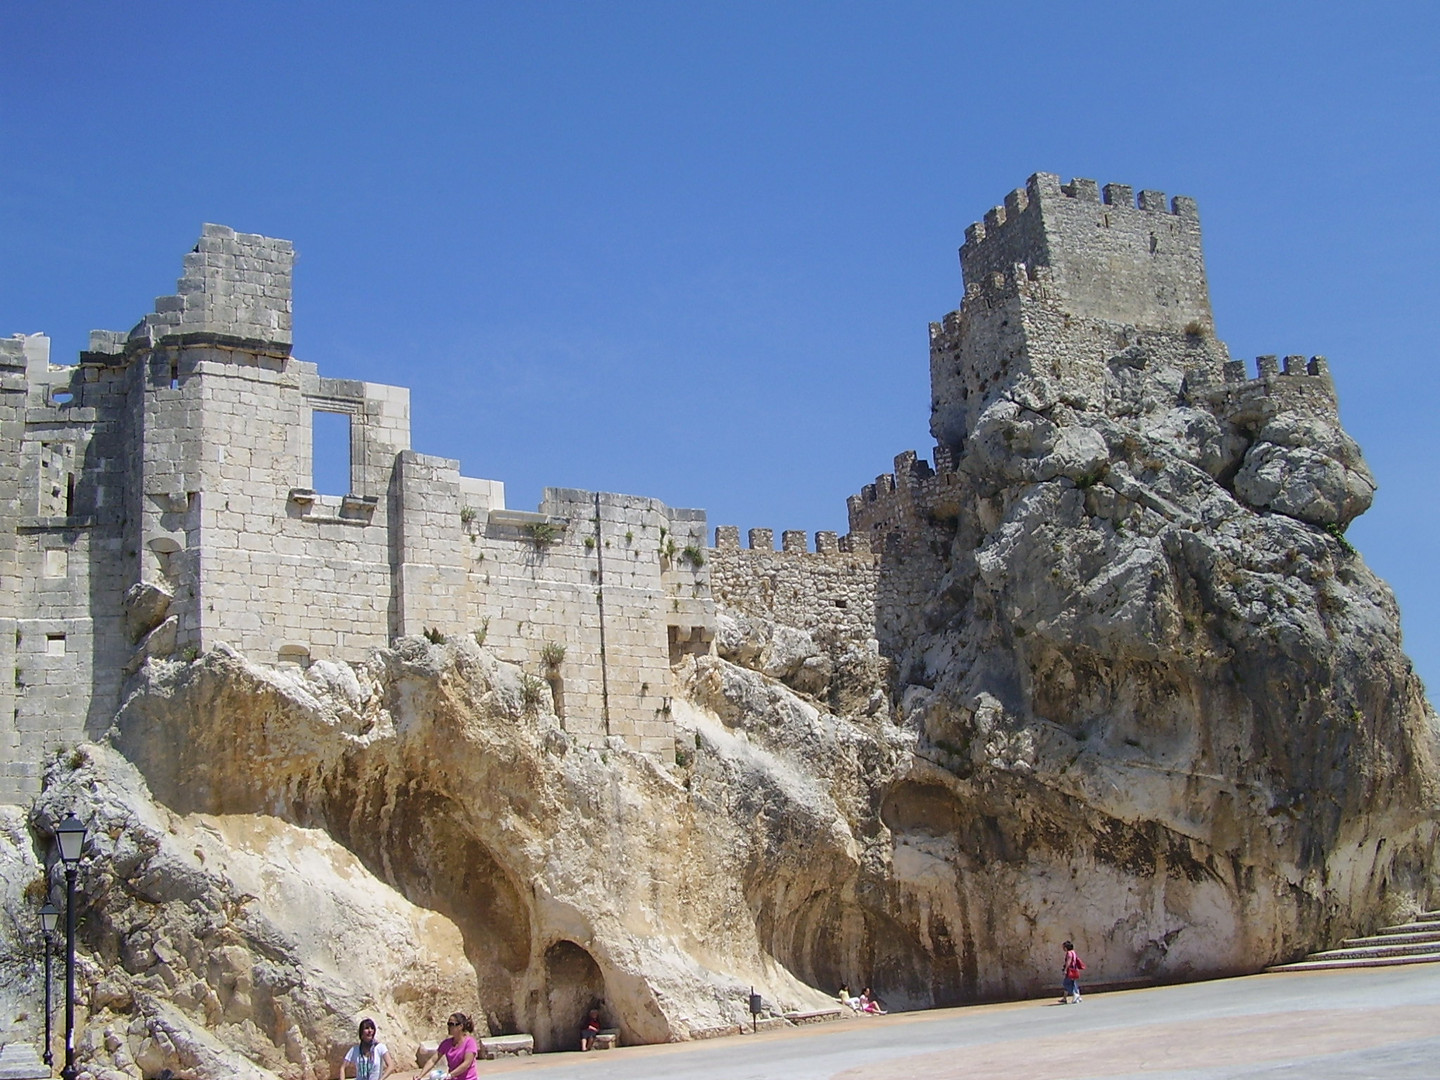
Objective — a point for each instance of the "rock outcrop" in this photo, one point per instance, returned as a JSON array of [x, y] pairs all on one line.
[[1159, 702]]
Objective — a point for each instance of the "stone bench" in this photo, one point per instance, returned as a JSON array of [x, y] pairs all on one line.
[[607, 1039], [818, 1016], [501, 1046]]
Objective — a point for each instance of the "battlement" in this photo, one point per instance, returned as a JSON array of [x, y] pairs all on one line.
[[1278, 385], [1001, 223], [792, 542], [829, 592], [1032, 281], [1113, 255], [905, 500]]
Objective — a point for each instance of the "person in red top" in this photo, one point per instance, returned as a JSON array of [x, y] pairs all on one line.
[[1071, 983], [459, 1049]]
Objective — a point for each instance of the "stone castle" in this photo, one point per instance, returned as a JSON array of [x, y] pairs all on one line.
[[159, 495]]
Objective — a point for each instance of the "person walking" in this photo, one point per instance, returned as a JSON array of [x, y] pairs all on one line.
[[1071, 983], [369, 1059]]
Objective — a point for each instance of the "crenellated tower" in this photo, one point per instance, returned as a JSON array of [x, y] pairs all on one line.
[[1059, 279]]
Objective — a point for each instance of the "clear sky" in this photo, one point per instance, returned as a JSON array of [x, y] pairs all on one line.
[[690, 250]]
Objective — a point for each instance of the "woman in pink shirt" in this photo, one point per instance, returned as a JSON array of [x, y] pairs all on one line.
[[459, 1049]]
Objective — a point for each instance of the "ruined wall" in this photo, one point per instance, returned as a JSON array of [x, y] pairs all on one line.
[[64, 551], [592, 595], [159, 498]]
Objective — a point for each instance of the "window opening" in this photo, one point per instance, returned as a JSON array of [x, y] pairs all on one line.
[[54, 644], [330, 453], [57, 479], [174, 373], [61, 397]]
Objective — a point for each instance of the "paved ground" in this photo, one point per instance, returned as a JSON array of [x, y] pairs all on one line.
[[1327, 1025]]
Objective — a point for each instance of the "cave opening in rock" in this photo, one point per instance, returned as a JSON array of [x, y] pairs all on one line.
[[573, 986]]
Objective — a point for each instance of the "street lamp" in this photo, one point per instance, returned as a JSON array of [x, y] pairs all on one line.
[[49, 920], [71, 835]]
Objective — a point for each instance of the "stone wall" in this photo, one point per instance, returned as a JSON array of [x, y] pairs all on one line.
[[158, 499], [828, 592], [64, 551]]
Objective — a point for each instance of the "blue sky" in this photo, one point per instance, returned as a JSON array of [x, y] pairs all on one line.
[[690, 250]]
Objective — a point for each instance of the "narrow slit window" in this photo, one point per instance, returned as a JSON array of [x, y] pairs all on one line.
[[330, 453]]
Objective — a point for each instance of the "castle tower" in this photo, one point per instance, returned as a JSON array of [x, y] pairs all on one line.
[[1058, 280]]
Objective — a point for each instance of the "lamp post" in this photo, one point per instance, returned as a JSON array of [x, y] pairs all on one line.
[[49, 920], [71, 834]]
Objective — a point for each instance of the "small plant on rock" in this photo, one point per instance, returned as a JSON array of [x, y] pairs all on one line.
[[552, 654], [467, 515], [532, 692], [693, 555], [544, 533], [1338, 535], [434, 636], [483, 632]]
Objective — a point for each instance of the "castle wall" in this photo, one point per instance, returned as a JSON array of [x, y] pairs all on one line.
[[281, 567], [974, 354], [1295, 385], [828, 592], [20, 751], [64, 552], [594, 594]]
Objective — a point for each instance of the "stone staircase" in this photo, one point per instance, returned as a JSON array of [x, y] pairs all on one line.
[[1416, 942], [20, 1061]]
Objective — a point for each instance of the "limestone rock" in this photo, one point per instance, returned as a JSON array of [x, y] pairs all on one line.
[[145, 605], [22, 892], [571, 876], [1307, 469], [159, 643], [238, 945]]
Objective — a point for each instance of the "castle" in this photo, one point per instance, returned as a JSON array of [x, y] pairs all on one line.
[[159, 495]]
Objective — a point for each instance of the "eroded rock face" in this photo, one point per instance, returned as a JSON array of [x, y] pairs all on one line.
[[237, 945], [555, 876], [1161, 706]]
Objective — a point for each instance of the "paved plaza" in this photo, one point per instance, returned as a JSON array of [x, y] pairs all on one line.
[[1330, 1025]]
